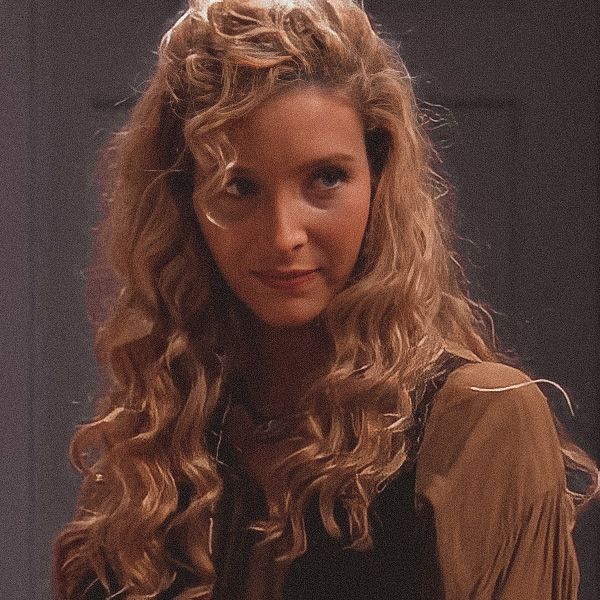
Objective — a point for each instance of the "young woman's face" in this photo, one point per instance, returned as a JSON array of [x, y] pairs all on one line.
[[296, 204]]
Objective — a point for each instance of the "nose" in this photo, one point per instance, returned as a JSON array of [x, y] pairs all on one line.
[[284, 223]]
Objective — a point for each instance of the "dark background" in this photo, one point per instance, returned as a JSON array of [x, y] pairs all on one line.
[[520, 81]]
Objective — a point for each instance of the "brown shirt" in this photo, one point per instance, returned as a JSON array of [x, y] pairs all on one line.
[[490, 495], [490, 475], [491, 469]]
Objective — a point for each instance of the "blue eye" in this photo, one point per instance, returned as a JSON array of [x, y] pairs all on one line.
[[241, 187], [331, 177]]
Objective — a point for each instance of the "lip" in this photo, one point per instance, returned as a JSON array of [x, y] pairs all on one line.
[[291, 279]]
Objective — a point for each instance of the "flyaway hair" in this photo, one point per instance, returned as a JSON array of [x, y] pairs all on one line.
[[171, 332]]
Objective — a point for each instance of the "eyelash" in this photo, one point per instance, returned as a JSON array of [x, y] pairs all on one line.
[[341, 176], [244, 180]]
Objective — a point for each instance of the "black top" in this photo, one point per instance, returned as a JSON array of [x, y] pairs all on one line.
[[328, 571]]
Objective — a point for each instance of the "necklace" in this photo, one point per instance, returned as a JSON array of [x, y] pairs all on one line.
[[265, 427], [271, 427]]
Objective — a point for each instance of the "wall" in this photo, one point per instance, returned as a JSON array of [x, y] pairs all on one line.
[[520, 80]]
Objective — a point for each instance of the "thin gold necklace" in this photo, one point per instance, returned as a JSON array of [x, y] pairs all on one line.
[[271, 427], [266, 427]]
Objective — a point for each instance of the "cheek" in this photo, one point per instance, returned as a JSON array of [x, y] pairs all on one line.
[[219, 244], [344, 237], [352, 224]]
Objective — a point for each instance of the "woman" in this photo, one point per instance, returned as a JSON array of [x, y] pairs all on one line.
[[303, 401]]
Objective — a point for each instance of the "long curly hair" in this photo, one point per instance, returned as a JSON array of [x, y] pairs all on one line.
[[171, 333]]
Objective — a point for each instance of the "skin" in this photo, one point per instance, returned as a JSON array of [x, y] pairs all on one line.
[[311, 211], [312, 205], [302, 161]]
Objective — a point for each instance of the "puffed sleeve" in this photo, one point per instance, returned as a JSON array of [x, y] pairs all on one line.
[[491, 492]]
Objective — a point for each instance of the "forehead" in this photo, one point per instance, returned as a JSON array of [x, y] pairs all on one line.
[[297, 124]]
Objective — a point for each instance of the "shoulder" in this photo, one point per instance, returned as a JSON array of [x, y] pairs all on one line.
[[482, 374], [490, 488], [491, 423], [477, 389]]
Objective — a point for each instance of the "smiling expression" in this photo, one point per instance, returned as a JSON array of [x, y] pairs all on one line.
[[299, 194]]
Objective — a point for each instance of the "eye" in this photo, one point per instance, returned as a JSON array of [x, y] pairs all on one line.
[[329, 178], [241, 187]]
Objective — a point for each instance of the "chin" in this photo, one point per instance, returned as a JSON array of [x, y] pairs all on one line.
[[286, 319]]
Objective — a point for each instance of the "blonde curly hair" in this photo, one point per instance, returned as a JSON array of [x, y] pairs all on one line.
[[171, 336]]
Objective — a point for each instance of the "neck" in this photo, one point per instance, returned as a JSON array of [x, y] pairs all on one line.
[[286, 361]]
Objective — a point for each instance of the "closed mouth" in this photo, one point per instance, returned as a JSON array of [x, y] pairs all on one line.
[[293, 280], [285, 275]]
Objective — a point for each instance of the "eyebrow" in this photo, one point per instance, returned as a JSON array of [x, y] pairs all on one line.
[[339, 157]]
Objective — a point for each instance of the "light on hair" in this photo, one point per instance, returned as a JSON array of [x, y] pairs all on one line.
[[525, 383]]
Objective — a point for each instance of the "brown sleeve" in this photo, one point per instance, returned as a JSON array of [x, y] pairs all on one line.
[[491, 489]]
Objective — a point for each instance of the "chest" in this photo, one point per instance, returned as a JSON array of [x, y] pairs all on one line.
[[327, 570], [260, 461], [403, 538]]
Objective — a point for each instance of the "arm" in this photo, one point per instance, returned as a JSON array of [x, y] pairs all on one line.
[[491, 493]]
